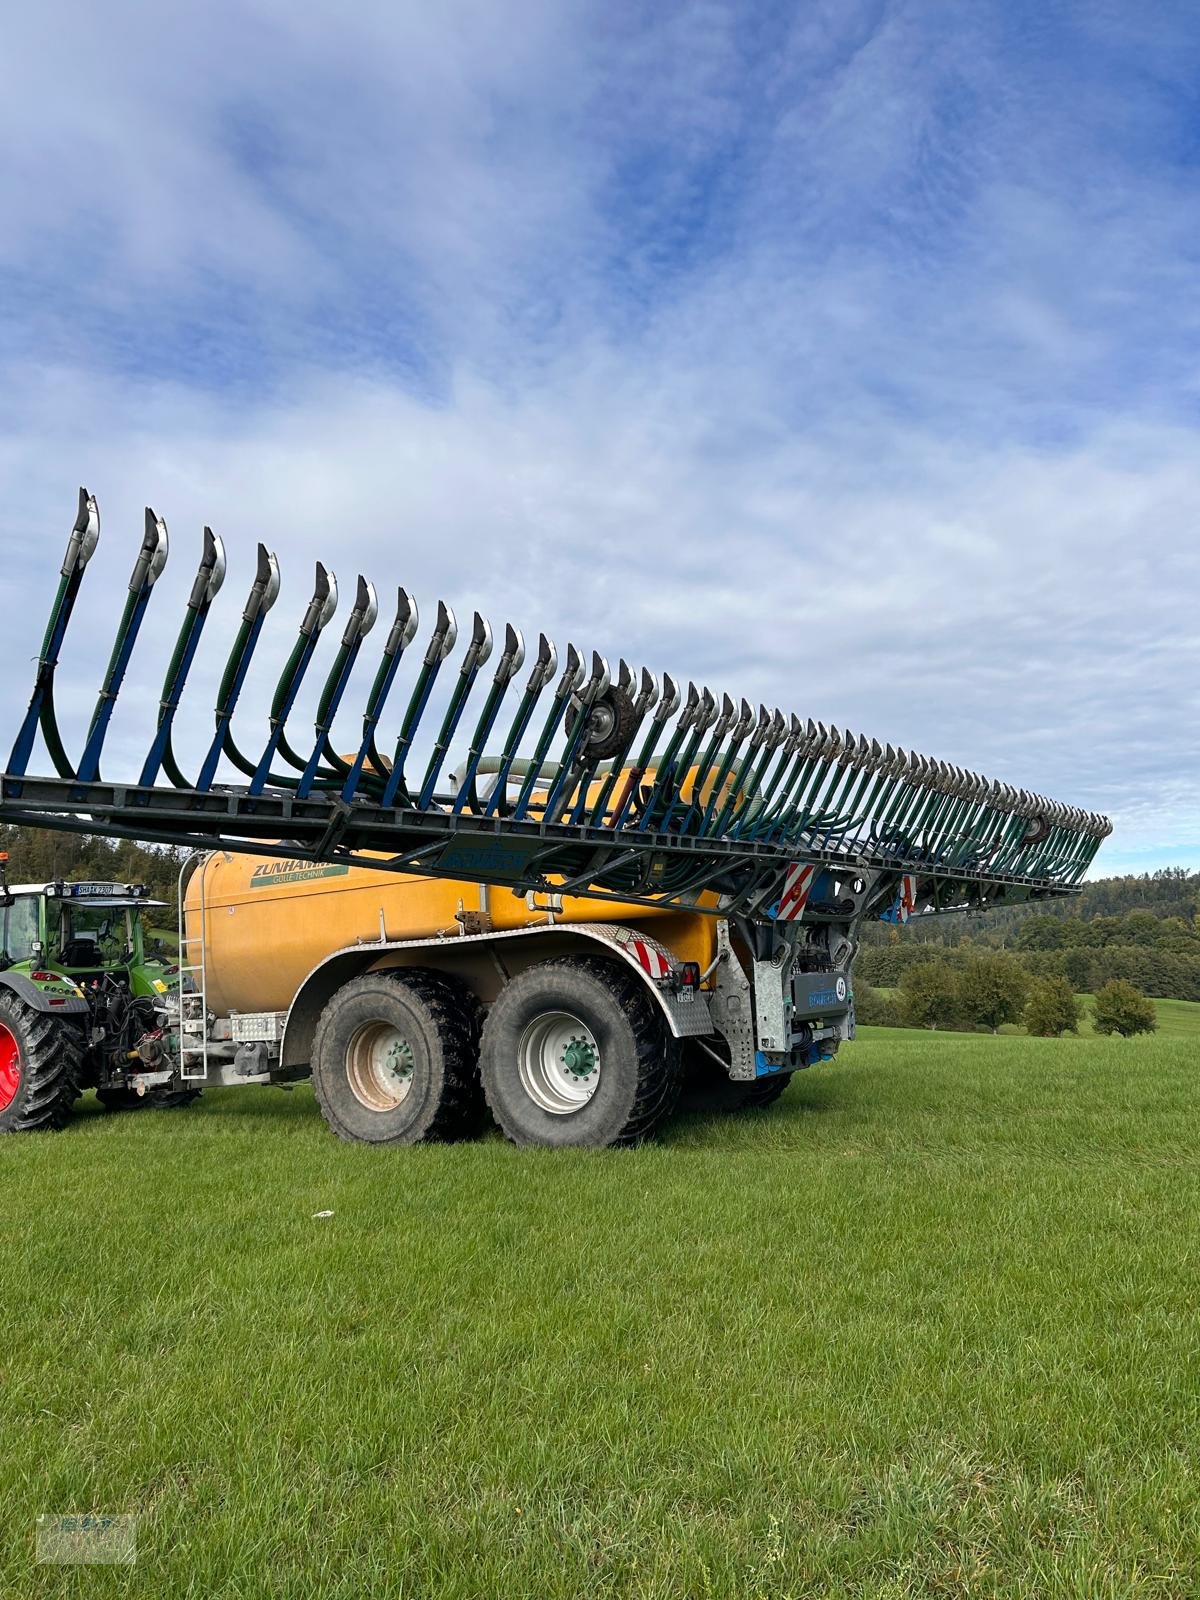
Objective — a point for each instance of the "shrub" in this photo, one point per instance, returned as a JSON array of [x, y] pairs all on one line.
[[992, 989], [872, 1008], [1120, 1008], [1052, 1008], [928, 996]]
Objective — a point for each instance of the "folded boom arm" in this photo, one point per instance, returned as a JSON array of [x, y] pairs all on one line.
[[635, 794]]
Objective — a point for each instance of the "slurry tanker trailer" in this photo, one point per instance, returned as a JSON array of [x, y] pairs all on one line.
[[544, 902]]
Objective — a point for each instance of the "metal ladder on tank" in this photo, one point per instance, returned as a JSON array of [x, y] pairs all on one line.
[[193, 982]]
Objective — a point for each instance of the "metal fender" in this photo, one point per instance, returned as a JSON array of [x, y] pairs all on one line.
[[55, 1005], [487, 961]]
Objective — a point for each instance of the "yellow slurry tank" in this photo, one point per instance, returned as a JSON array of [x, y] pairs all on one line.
[[419, 1004], [269, 922], [422, 1004]]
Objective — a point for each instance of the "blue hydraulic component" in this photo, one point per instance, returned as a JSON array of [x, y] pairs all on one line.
[[320, 608], [210, 575], [263, 593], [358, 625], [445, 632], [400, 636]]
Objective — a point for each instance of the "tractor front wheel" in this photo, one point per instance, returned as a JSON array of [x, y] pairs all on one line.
[[41, 1058]]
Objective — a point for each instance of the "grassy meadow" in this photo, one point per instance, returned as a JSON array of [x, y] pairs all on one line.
[[926, 1327]]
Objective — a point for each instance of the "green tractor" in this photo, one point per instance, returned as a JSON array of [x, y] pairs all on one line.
[[83, 1003]]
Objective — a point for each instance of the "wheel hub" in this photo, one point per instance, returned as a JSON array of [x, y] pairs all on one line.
[[399, 1060], [380, 1065], [579, 1058], [558, 1059], [10, 1066], [601, 723]]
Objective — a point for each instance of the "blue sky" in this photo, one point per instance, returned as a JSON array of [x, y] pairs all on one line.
[[842, 356]]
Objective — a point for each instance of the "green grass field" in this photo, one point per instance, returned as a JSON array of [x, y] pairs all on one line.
[[927, 1327]]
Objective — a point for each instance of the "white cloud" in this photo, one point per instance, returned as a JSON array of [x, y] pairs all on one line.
[[816, 357], [989, 608]]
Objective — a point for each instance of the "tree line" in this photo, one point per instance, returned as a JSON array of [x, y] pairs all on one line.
[[1169, 892], [988, 989], [1144, 931], [43, 855]]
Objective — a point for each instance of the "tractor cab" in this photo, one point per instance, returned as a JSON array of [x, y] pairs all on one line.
[[81, 932], [95, 927]]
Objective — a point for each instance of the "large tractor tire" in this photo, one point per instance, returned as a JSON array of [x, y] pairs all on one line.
[[41, 1059], [576, 1052], [117, 1098], [395, 1059]]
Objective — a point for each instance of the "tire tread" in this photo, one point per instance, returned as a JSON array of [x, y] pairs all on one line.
[[51, 1069], [455, 1015], [659, 1072]]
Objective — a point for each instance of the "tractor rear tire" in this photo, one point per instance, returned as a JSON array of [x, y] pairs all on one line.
[[395, 1059], [41, 1063], [575, 1052]]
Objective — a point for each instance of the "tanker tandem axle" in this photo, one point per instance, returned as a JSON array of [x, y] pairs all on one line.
[[639, 882], [440, 999]]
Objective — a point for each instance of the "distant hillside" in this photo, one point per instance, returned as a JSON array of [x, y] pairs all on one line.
[[1145, 929]]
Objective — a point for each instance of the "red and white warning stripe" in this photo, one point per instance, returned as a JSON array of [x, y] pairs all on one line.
[[652, 958], [906, 901], [797, 886]]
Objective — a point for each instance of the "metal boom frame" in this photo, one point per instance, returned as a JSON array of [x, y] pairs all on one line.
[[710, 811]]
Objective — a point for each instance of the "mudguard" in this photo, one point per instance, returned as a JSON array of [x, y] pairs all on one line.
[[480, 958], [61, 998]]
